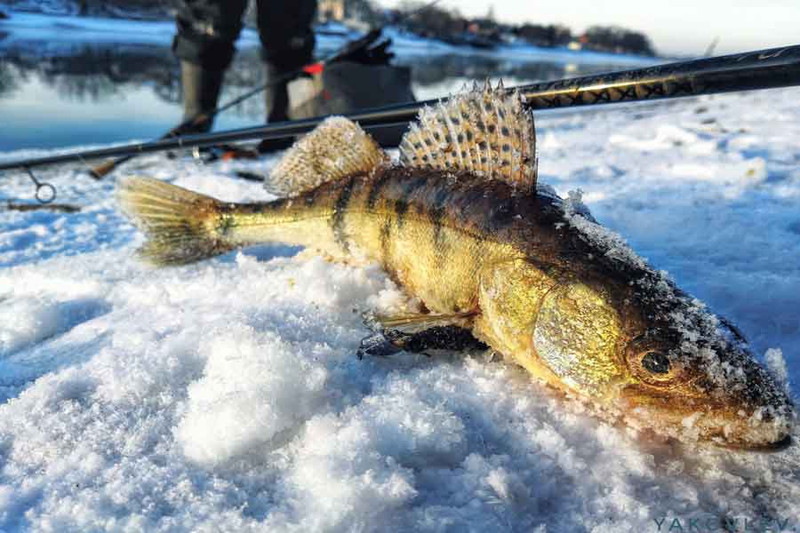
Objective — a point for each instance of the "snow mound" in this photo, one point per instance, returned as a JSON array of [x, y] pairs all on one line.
[[253, 391]]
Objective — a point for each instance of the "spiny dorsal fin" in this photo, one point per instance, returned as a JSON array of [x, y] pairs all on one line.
[[487, 132], [335, 149]]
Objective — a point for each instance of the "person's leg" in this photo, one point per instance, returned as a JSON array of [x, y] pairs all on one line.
[[287, 39], [207, 31], [201, 88]]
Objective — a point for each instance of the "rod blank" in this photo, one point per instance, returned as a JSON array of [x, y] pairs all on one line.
[[763, 69]]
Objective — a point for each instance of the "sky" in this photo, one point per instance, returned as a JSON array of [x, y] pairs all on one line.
[[676, 27]]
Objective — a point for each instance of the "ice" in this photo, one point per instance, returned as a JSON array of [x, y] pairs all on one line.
[[62, 27], [227, 396]]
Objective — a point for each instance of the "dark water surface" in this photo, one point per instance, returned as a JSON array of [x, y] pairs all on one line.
[[58, 89]]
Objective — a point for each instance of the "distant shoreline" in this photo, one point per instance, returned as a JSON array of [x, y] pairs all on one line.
[[26, 25]]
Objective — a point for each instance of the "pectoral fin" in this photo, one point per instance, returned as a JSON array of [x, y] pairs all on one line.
[[418, 334], [419, 322]]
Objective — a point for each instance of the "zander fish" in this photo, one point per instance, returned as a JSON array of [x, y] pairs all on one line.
[[460, 224]]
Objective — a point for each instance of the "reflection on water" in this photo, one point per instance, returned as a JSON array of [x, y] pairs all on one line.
[[65, 94]]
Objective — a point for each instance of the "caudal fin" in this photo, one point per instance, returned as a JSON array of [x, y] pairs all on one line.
[[181, 226]]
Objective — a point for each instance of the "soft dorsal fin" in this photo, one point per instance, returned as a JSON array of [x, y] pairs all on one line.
[[487, 132], [335, 149]]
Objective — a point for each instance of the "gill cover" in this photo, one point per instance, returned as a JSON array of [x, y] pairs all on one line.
[[577, 334]]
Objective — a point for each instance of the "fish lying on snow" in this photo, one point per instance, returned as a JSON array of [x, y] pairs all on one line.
[[460, 224]]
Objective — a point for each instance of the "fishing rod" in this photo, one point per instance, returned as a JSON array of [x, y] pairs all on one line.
[[351, 47], [763, 69]]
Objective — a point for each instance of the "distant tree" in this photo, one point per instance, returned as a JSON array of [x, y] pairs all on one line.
[[434, 21], [550, 35], [9, 79], [362, 10], [490, 13], [617, 39]]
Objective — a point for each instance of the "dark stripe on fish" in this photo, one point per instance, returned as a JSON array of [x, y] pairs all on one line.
[[441, 246], [376, 187], [339, 212], [386, 239], [437, 212], [310, 197], [501, 214], [402, 203]]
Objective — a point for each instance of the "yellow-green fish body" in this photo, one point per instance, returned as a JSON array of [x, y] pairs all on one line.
[[460, 225]]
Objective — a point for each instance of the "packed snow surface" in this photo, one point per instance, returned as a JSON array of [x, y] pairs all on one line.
[[226, 395]]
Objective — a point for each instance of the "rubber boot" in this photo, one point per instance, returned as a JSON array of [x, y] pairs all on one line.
[[276, 102], [201, 89], [276, 97]]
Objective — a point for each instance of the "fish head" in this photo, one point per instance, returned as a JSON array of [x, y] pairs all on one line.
[[692, 375], [661, 362]]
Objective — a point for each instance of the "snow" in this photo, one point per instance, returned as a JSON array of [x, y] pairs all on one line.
[[776, 365], [226, 395]]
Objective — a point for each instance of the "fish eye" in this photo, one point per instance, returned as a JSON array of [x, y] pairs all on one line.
[[650, 363], [656, 362]]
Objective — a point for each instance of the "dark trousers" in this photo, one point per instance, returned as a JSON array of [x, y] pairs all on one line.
[[207, 30]]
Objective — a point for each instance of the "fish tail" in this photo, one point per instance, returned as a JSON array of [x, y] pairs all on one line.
[[181, 226]]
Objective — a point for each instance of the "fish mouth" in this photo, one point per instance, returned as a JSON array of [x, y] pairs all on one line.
[[750, 433], [777, 446], [765, 428]]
